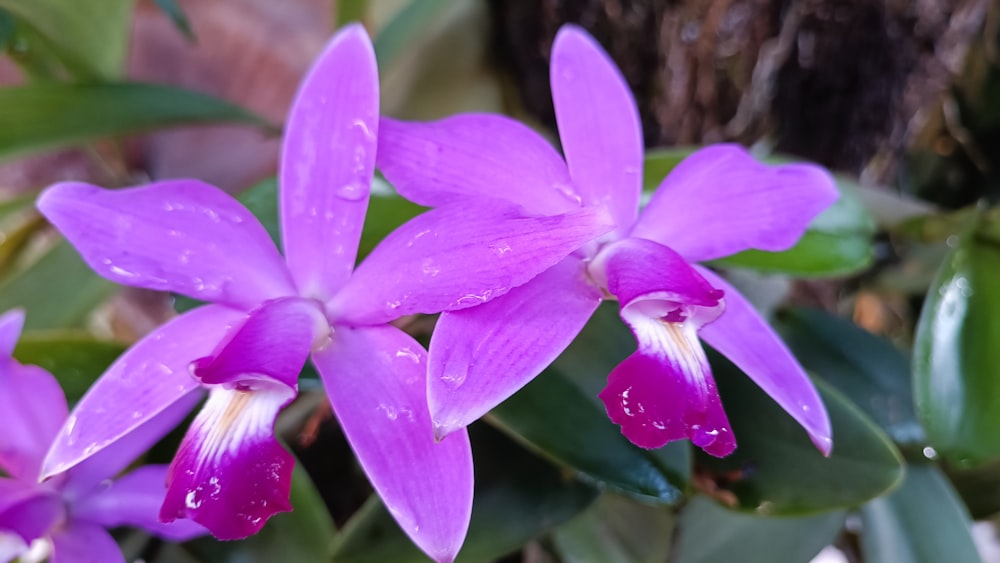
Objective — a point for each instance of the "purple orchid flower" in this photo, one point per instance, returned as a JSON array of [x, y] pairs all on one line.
[[268, 315], [67, 514], [719, 201]]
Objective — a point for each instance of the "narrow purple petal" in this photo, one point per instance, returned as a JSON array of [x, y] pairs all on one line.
[[458, 256], [327, 163], [748, 341], [28, 510], [34, 409], [177, 235], [376, 380], [655, 401], [81, 542], [145, 381], [274, 342], [230, 474], [135, 500], [633, 269], [474, 155], [720, 201], [482, 355], [598, 124], [11, 323]]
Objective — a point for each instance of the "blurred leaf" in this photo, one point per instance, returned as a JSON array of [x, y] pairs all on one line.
[[868, 369], [616, 529], [658, 163], [303, 534], [76, 358], [979, 488], [176, 14], [347, 11], [58, 291], [559, 415], [780, 472], [923, 520], [518, 497], [18, 224], [90, 36], [956, 354], [708, 533], [397, 36], [7, 28], [47, 115]]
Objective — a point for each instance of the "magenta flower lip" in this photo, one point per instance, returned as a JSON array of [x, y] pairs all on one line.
[[717, 202]]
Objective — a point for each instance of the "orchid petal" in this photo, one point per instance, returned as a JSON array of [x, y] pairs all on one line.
[[28, 510], [177, 235], [81, 542], [458, 256], [11, 324], [634, 269], [327, 163], [145, 381], [376, 380], [230, 474], [748, 341], [474, 155], [34, 409], [598, 124], [134, 500], [720, 201], [274, 342], [482, 355]]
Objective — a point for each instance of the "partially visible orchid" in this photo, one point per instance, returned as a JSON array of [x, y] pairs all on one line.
[[67, 514], [717, 202], [268, 315]]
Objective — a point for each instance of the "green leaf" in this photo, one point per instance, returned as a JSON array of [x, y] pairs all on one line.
[[866, 368], [347, 11], [397, 36], [780, 471], [559, 415], [923, 520], [90, 36], [616, 529], [658, 163], [711, 534], [956, 354], [47, 115], [518, 497], [176, 14], [75, 358], [304, 534], [57, 291], [979, 488]]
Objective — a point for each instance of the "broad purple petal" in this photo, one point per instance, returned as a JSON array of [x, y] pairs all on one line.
[[274, 342], [376, 380], [327, 163], [720, 201], [748, 341], [474, 155], [655, 402], [230, 474], [633, 269], [458, 256], [145, 381], [135, 500], [82, 542], [11, 323], [482, 355], [28, 510], [177, 235], [33, 410], [598, 124]]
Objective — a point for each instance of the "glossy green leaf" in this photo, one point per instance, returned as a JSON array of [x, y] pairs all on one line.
[[922, 521], [90, 36], [176, 14], [47, 115], [616, 529], [57, 291], [559, 415], [304, 534], [518, 497], [76, 358], [780, 472], [708, 533], [956, 354], [868, 369]]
